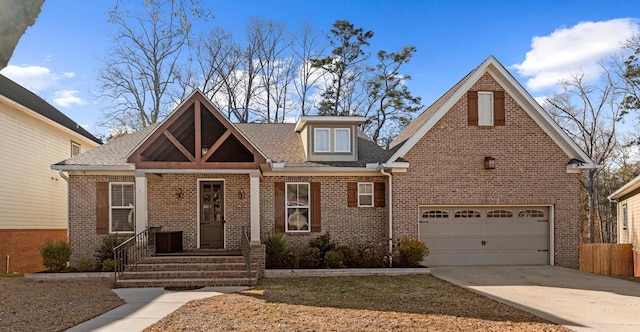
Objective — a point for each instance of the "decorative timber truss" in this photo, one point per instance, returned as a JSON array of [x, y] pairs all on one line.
[[196, 136]]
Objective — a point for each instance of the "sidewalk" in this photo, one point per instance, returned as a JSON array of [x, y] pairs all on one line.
[[145, 306]]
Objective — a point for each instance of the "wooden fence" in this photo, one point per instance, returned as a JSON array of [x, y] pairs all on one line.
[[610, 259]]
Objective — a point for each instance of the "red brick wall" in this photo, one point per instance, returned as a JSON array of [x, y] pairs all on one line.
[[447, 167], [354, 226], [23, 248]]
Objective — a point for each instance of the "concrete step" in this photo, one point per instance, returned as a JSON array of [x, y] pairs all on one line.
[[186, 274], [145, 267], [184, 282]]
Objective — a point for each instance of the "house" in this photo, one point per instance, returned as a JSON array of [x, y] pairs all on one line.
[[483, 176], [629, 217], [33, 198]]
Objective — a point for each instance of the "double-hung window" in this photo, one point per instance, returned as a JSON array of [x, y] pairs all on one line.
[[365, 194], [322, 139], [121, 207], [342, 141], [297, 204], [336, 140]]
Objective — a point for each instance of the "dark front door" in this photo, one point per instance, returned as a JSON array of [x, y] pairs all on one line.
[[211, 214]]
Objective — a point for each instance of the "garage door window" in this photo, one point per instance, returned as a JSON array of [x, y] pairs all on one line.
[[437, 214], [467, 214], [499, 214], [530, 214]]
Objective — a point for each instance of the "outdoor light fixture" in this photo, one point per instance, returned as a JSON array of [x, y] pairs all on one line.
[[179, 193], [241, 193], [489, 163], [205, 150]]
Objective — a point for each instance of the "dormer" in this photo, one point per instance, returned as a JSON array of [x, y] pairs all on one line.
[[329, 138]]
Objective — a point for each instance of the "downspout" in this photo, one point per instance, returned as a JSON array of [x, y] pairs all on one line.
[[66, 178], [390, 215]]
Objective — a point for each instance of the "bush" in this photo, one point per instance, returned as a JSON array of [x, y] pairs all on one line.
[[349, 256], [371, 258], [55, 255], [105, 251], [278, 254], [310, 258], [411, 252], [334, 259], [86, 265], [322, 242], [108, 265]]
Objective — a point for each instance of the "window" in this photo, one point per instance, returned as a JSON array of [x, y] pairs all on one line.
[[75, 149], [624, 216], [485, 108], [321, 137], [365, 194], [297, 205], [499, 214], [467, 214], [121, 208], [530, 214], [435, 214], [342, 140]]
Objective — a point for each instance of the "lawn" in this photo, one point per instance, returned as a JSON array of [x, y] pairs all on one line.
[[379, 303]]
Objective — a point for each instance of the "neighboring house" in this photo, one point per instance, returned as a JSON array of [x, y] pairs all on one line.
[[629, 217], [33, 198], [483, 176]]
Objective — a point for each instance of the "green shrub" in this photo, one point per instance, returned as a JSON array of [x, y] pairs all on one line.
[[334, 259], [55, 255], [411, 252], [105, 251], [324, 243], [371, 258], [108, 265], [278, 253], [310, 258], [86, 265], [349, 255]]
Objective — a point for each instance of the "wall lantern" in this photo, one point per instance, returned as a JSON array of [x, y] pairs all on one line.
[[241, 194], [179, 193], [489, 163]]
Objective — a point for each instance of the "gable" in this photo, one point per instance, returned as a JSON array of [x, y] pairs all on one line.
[[504, 81], [196, 136]]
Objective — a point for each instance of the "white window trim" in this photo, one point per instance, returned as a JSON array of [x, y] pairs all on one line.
[[366, 194], [73, 145], [335, 140], [132, 207], [315, 139], [625, 221], [481, 109], [286, 207]]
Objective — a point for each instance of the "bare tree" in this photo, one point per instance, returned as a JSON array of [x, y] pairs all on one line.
[[144, 60], [306, 47], [589, 114]]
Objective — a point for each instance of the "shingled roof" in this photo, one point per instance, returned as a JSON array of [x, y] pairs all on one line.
[[30, 100], [278, 142]]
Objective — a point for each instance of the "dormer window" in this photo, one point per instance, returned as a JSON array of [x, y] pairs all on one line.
[[328, 140]]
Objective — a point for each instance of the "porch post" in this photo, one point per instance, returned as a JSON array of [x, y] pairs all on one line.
[[141, 202], [255, 208]]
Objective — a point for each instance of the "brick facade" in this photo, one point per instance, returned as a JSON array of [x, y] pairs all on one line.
[[447, 168], [23, 248]]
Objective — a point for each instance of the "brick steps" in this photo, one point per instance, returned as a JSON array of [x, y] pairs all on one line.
[[188, 271]]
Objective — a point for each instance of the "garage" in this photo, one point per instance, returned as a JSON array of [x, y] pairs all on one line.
[[496, 235]]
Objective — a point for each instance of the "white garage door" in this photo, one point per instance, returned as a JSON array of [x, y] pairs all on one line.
[[485, 235]]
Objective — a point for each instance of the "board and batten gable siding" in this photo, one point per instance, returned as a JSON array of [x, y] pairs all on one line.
[[32, 195], [447, 168], [632, 233]]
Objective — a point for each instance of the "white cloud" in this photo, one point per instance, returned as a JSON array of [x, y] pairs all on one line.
[[34, 78], [66, 98], [569, 50], [69, 74]]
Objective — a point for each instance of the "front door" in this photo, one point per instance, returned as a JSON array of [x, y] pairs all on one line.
[[211, 214]]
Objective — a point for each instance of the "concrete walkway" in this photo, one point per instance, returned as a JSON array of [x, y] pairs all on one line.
[[578, 300], [145, 306]]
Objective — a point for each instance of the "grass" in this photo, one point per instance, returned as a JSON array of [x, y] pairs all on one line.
[[11, 275], [380, 303]]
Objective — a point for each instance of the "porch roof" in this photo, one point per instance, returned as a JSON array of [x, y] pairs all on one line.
[[279, 142]]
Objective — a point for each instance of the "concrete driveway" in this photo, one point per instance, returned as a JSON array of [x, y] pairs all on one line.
[[580, 301]]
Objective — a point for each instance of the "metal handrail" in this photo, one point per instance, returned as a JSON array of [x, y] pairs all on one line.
[[246, 250], [133, 250]]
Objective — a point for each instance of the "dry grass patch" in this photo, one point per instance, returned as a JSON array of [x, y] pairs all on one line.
[[52, 306], [380, 303]]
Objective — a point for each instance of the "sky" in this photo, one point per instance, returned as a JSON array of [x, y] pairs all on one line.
[[539, 41]]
